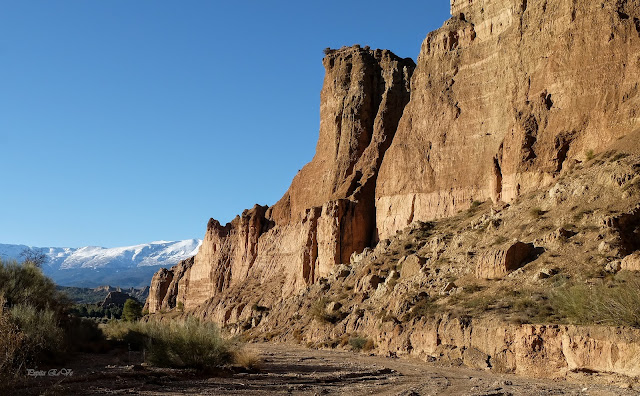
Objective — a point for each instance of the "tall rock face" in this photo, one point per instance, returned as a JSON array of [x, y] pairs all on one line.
[[505, 96], [328, 213]]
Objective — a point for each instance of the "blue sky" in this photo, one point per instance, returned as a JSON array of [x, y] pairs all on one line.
[[124, 122]]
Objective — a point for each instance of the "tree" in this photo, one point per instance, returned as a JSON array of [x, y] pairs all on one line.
[[33, 256], [132, 310]]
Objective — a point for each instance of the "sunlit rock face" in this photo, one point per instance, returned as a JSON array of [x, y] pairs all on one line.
[[329, 211], [504, 97]]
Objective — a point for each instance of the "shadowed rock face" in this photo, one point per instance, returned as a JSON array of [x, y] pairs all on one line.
[[115, 298], [158, 289], [505, 95], [329, 211]]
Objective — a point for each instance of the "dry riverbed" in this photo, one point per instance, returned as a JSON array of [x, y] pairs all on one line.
[[288, 370]]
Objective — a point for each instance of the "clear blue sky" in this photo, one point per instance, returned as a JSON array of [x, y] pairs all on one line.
[[124, 122]]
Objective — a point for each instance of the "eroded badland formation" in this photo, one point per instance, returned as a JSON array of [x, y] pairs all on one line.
[[449, 199]]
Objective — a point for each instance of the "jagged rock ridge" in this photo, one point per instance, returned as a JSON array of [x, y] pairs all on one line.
[[329, 211]]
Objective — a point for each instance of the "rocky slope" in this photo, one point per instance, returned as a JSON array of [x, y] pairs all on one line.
[[528, 106]]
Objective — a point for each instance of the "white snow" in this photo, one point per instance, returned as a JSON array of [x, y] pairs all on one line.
[[164, 253]]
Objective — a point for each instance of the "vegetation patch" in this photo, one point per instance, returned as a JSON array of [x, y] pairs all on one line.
[[321, 311], [358, 344], [608, 304], [188, 343]]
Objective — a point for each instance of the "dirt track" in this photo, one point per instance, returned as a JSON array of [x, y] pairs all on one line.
[[293, 370]]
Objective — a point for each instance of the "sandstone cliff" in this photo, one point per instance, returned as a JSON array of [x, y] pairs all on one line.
[[328, 213], [531, 105], [504, 96]]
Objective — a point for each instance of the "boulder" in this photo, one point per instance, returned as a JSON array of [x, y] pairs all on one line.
[[631, 262], [411, 265], [498, 263]]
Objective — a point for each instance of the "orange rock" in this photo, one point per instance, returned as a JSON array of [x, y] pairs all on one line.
[[498, 263], [505, 95]]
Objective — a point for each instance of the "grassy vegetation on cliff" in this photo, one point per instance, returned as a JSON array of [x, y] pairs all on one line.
[[615, 303]]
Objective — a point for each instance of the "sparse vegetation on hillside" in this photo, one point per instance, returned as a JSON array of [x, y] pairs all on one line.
[[612, 303], [578, 228]]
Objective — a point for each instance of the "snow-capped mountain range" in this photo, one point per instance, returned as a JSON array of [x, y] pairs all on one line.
[[91, 266]]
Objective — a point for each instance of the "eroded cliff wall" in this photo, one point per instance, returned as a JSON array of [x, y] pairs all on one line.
[[328, 213], [504, 96]]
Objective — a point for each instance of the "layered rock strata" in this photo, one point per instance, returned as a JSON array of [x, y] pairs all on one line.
[[504, 96]]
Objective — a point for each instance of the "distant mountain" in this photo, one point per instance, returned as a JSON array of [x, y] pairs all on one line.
[[91, 266], [84, 295]]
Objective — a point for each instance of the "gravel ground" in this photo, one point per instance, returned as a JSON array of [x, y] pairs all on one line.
[[292, 370]]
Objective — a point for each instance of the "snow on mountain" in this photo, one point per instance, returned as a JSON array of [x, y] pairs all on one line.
[[150, 254]]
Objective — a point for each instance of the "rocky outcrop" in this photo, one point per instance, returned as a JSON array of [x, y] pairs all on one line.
[[546, 351], [505, 96], [499, 263], [631, 262], [362, 100], [328, 213], [158, 290], [115, 299]]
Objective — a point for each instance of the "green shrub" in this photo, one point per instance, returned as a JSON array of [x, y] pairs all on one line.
[[536, 212], [130, 334], [30, 314], [424, 308], [132, 310], [189, 343], [26, 285], [40, 328], [319, 311], [358, 343], [589, 155], [11, 343]]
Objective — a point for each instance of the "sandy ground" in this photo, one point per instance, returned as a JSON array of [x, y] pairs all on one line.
[[292, 370]]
